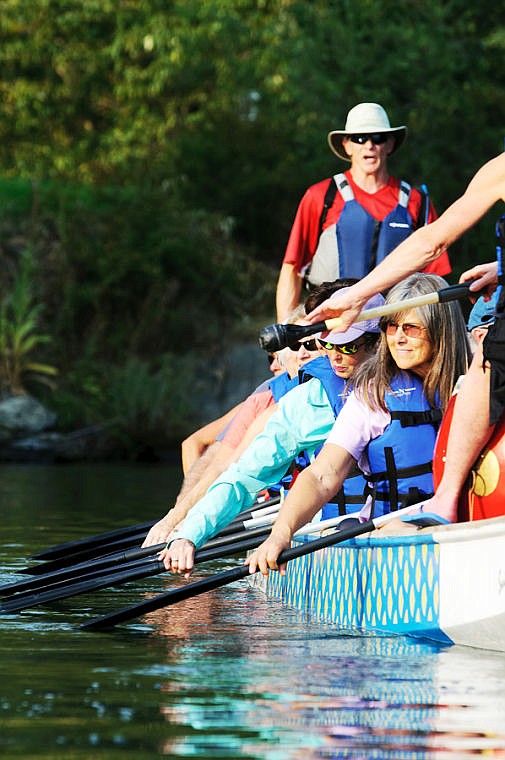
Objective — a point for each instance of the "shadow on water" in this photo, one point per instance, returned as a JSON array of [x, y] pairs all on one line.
[[224, 675]]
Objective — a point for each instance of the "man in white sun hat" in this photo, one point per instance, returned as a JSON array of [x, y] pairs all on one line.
[[346, 225]]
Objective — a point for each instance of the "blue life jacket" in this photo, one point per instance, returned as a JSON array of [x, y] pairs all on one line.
[[351, 496], [281, 384], [358, 242], [333, 384], [401, 458]]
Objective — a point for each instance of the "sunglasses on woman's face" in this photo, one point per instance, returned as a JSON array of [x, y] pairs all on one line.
[[377, 138], [411, 331], [308, 345], [347, 348]]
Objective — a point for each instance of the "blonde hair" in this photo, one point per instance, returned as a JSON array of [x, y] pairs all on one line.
[[446, 331]]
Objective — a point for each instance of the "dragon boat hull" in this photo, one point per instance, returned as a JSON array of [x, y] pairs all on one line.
[[445, 584]]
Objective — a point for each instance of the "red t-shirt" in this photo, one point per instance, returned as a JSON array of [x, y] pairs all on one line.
[[304, 235]]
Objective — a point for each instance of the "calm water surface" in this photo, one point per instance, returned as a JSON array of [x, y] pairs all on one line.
[[224, 675]]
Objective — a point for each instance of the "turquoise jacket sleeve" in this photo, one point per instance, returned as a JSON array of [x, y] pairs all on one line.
[[302, 421]]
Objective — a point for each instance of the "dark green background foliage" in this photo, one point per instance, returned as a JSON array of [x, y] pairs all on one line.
[[154, 152]]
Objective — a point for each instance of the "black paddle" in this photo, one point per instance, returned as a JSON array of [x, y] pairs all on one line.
[[63, 567], [90, 542], [229, 576], [95, 579], [276, 337], [116, 541], [82, 568], [113, 563], [129, 542], [135, 571]]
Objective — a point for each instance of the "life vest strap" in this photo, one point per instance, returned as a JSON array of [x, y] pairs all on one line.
[[412, 419], [403, 472]]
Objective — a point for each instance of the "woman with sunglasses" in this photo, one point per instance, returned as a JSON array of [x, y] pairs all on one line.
[[389, 423], [298, 427], [344, 226]]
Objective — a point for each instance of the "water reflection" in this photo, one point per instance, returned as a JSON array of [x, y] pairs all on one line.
[[321, 695], [224, 675]]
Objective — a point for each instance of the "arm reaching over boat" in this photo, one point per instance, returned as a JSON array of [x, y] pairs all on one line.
[[313, 488]]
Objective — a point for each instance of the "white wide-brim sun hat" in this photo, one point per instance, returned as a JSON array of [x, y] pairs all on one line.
[[365, 119]]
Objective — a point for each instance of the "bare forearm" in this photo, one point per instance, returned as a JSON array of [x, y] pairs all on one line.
[[193, 447], [289, 287], [424, 245], [470, 429], [311, 491], [198, 469]]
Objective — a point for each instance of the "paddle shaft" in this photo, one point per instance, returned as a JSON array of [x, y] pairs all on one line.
[[278, 336], [115, 563], [237, 573], [134, 571], [87, 549], [452, 293], [235, 531], [79, 544], [96, 579]]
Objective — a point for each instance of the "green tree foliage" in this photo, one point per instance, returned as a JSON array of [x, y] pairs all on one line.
[[232, 99], [166, 144]]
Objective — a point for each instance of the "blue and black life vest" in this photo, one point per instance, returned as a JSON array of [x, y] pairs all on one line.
[[351, 496], [334, 386], [358, 242], [401, 458], [281, 384]]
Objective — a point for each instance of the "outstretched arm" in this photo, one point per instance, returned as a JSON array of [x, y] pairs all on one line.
[[423, 246], [198, 442], [312, 489]]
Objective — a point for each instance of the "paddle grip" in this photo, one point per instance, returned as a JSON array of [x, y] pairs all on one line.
[[275, 337], [453, 292]]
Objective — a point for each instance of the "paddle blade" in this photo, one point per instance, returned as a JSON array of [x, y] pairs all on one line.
[[90, 542], [275, 337], [144, 569]]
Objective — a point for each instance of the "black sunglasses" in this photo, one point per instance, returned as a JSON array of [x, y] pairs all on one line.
[[309, 345], [377, 138]]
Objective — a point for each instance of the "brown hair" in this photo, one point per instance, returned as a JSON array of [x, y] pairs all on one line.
[[447, 332], [320, 293]]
